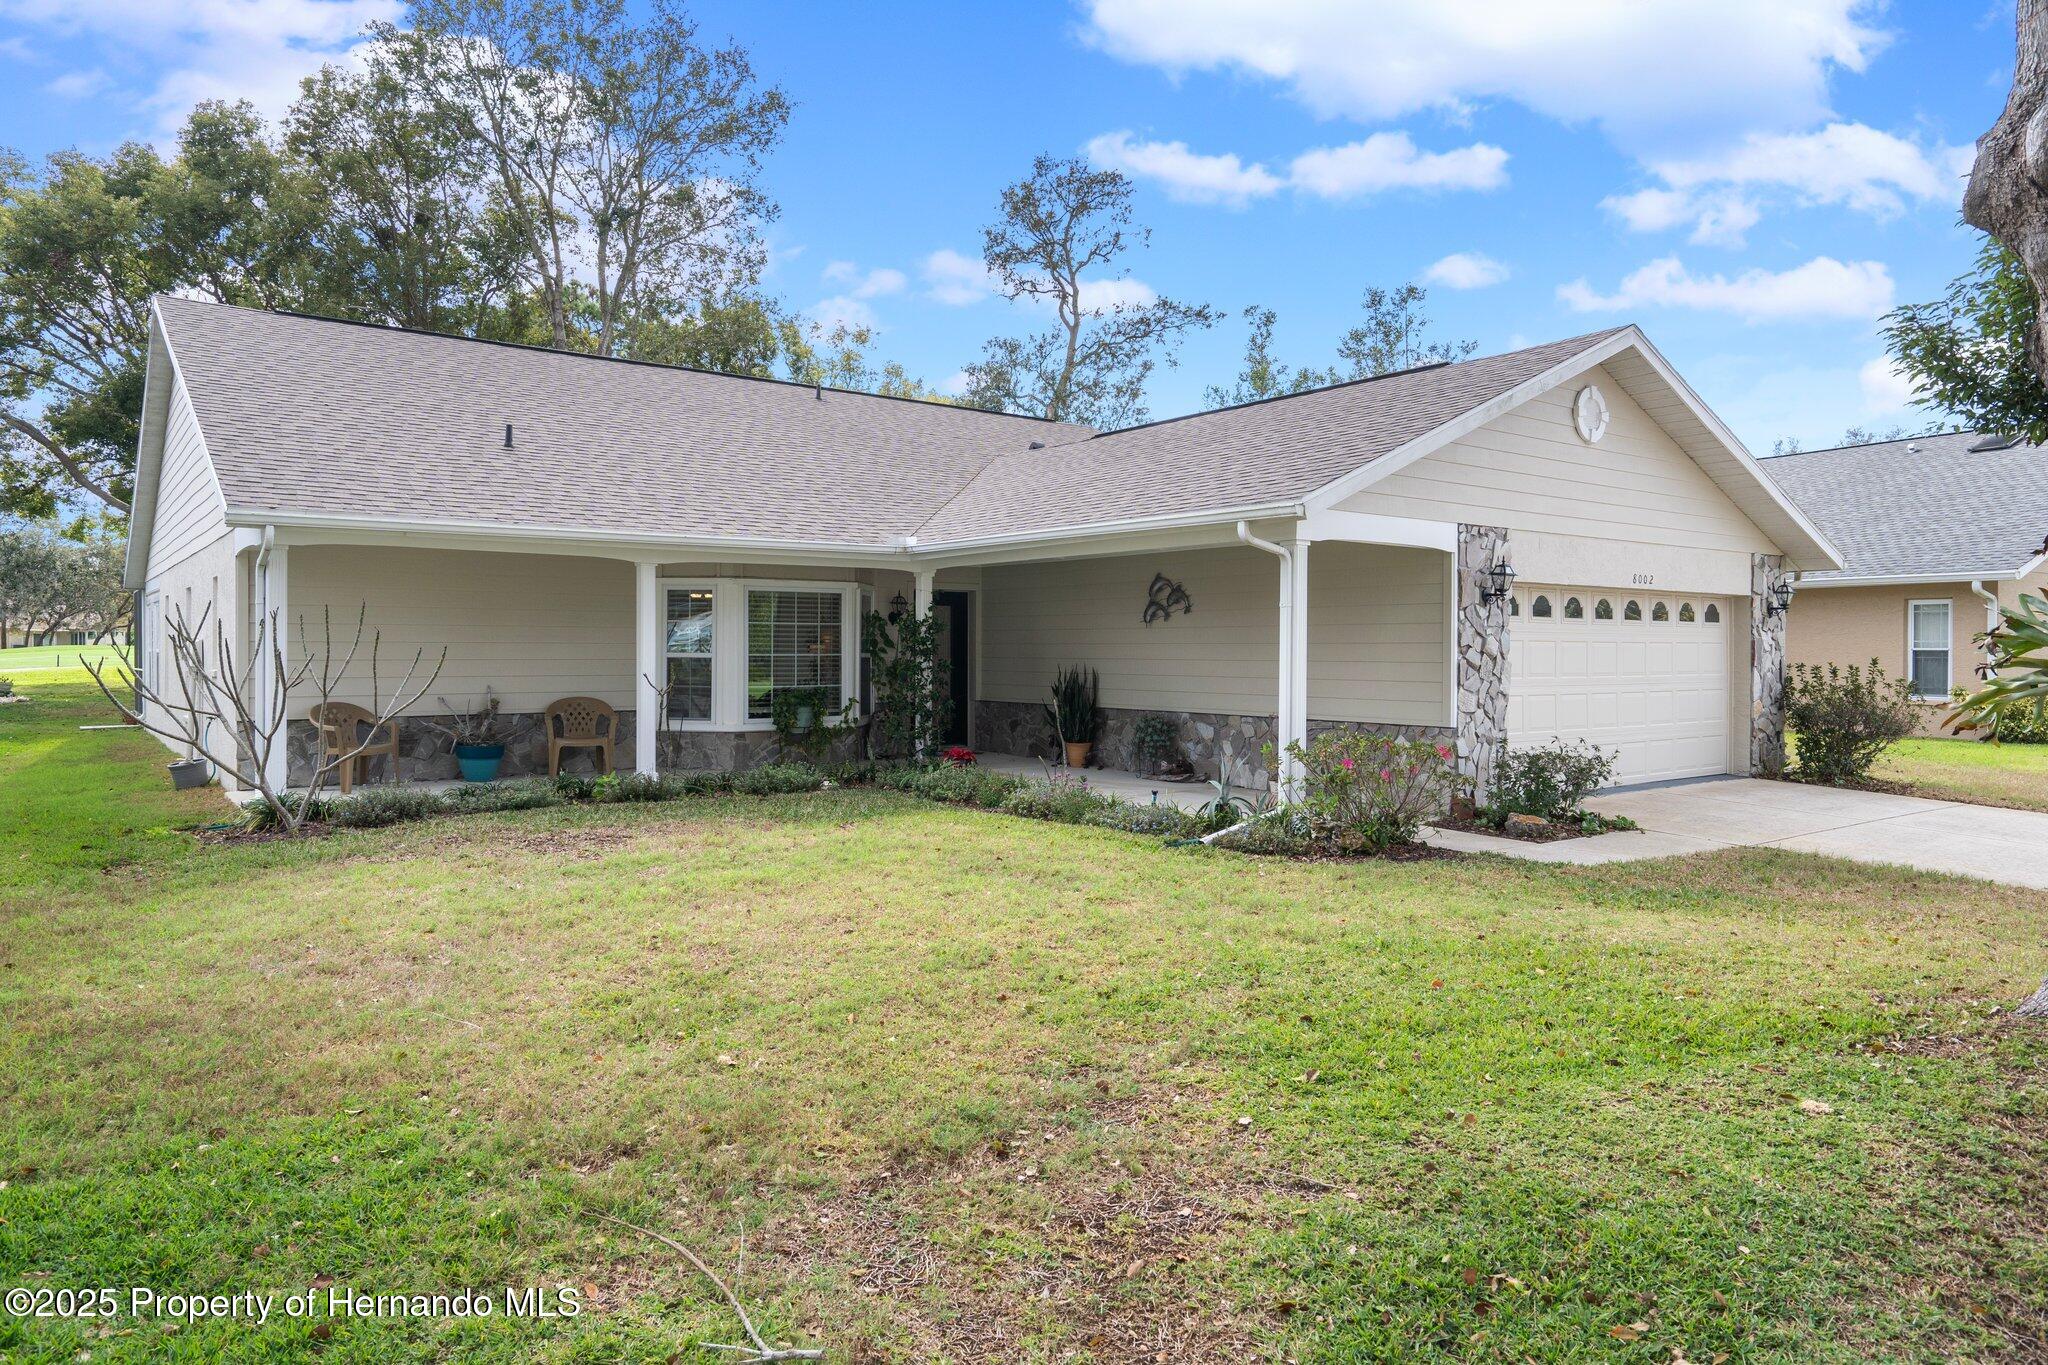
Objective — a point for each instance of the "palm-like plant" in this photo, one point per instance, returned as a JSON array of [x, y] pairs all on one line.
[[2016, 677]]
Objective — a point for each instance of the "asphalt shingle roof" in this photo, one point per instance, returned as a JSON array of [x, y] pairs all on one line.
[[1925, 506], [313, 416]]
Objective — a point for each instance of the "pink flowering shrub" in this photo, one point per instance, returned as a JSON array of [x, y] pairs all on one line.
[[1363, 792]]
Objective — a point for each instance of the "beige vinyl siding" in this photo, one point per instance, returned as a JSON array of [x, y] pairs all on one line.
[[1378, 634], [532, 627], [1528, 471], [189, 511], [1378, 617]]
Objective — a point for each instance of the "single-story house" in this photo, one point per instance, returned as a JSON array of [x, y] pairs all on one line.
[[1938, 532], [569, 524]]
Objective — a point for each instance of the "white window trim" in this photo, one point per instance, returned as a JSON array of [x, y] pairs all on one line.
[[662, 588], [849, 642], [1948, 644]]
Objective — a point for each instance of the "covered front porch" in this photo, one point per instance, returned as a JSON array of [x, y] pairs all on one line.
[[1244, 634]]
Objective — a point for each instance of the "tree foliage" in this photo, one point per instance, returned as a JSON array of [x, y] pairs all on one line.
[[1391, 336], [53, 581], [1262, 376], [1967, 351], [1060, 243]]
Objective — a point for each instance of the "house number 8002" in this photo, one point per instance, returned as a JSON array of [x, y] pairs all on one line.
[[1642, 580]]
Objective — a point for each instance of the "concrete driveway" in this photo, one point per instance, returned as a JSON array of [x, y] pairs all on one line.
[[1867, 827]]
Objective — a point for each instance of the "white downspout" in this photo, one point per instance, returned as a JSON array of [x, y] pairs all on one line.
[[1283, 711]]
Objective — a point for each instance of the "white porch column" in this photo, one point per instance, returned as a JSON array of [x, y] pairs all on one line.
[[278, 633], [648, 668], [923, 605], [1295, 727]]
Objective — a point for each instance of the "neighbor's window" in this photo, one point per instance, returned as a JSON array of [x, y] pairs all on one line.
[[689, 653], [1928, 628], [792, 641]]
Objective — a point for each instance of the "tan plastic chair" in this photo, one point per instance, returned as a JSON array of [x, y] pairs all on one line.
[[574, 723], [339, 724]]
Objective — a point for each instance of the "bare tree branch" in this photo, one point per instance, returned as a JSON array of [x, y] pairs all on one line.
[[759, 1350]]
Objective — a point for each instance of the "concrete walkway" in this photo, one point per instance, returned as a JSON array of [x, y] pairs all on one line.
[[1867, 827]]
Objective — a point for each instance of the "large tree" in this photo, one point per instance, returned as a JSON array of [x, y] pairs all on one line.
[[2008, 191], [1261, 375], [1392, 335], [622, 154], [1060, 243], [1967, 352]]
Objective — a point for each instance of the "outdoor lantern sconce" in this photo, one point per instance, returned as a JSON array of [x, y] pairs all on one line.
[[897, 606], [1497, 582], [1780, 597]]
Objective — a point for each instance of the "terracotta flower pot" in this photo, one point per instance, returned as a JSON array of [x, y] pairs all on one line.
[[1077, 754]]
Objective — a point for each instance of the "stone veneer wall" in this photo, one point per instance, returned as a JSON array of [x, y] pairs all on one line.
[[1766, 668], [1482, 658], [1212, 744], [427, 754]]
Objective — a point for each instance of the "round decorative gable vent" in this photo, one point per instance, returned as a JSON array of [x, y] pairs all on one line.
[[1590, 415]]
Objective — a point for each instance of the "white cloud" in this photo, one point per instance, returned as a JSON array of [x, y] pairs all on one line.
[[955, 279], [1103, 296], [1190, 177], [1842, 163], [1466, 270], [842, 310], [78, 85], [1846, 164], [1886, 388], [213, 49], [1387, 161], [1656, 74], [871, 284], [954, 384], [1821, 288]]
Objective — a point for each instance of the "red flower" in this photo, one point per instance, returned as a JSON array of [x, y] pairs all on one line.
[[959, 753]]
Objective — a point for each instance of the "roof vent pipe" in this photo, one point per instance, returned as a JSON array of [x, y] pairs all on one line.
[[818, 392], [1038, 445], [508, 435]]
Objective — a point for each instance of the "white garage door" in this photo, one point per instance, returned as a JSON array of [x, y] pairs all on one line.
[[1643, 675]]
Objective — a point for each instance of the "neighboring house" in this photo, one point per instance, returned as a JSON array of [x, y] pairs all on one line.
[[567, 524], [1937, 533]]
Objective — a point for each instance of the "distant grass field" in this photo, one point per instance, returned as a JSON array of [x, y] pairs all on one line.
[[939, 1085], [38, 658]]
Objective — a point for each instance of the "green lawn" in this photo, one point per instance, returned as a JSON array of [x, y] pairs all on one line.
[[972, 1088], [39, 658], [1969, 770]]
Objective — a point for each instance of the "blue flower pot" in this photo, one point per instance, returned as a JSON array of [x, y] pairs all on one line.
[[479, 762]]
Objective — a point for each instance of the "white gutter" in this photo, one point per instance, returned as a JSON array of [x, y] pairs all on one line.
[[1285, 701], [1991, 621], [1906, 580]]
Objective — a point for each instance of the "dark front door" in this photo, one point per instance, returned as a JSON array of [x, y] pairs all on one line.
[[956, 633]]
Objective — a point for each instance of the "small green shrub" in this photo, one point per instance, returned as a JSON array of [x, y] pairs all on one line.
[[1275, 835], [1845, 718], [477, 798], [1064, 799], [574, 786], [1164, 821], [966, 784], [375, 807], [1073, 713], [776, 779], [617, 788], [1550, 780]]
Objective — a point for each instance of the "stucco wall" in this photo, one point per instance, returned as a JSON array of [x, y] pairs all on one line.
[[1846, 626], [1378, 621]]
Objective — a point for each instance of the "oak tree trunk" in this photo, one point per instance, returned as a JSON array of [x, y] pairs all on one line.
[[2035, 1006], [2008, 193]]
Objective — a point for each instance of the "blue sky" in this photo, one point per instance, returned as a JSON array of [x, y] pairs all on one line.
[[1753, 181]]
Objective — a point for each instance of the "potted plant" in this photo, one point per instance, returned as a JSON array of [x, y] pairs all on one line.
[[804, 716], [479, 733], [1074, 714]]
